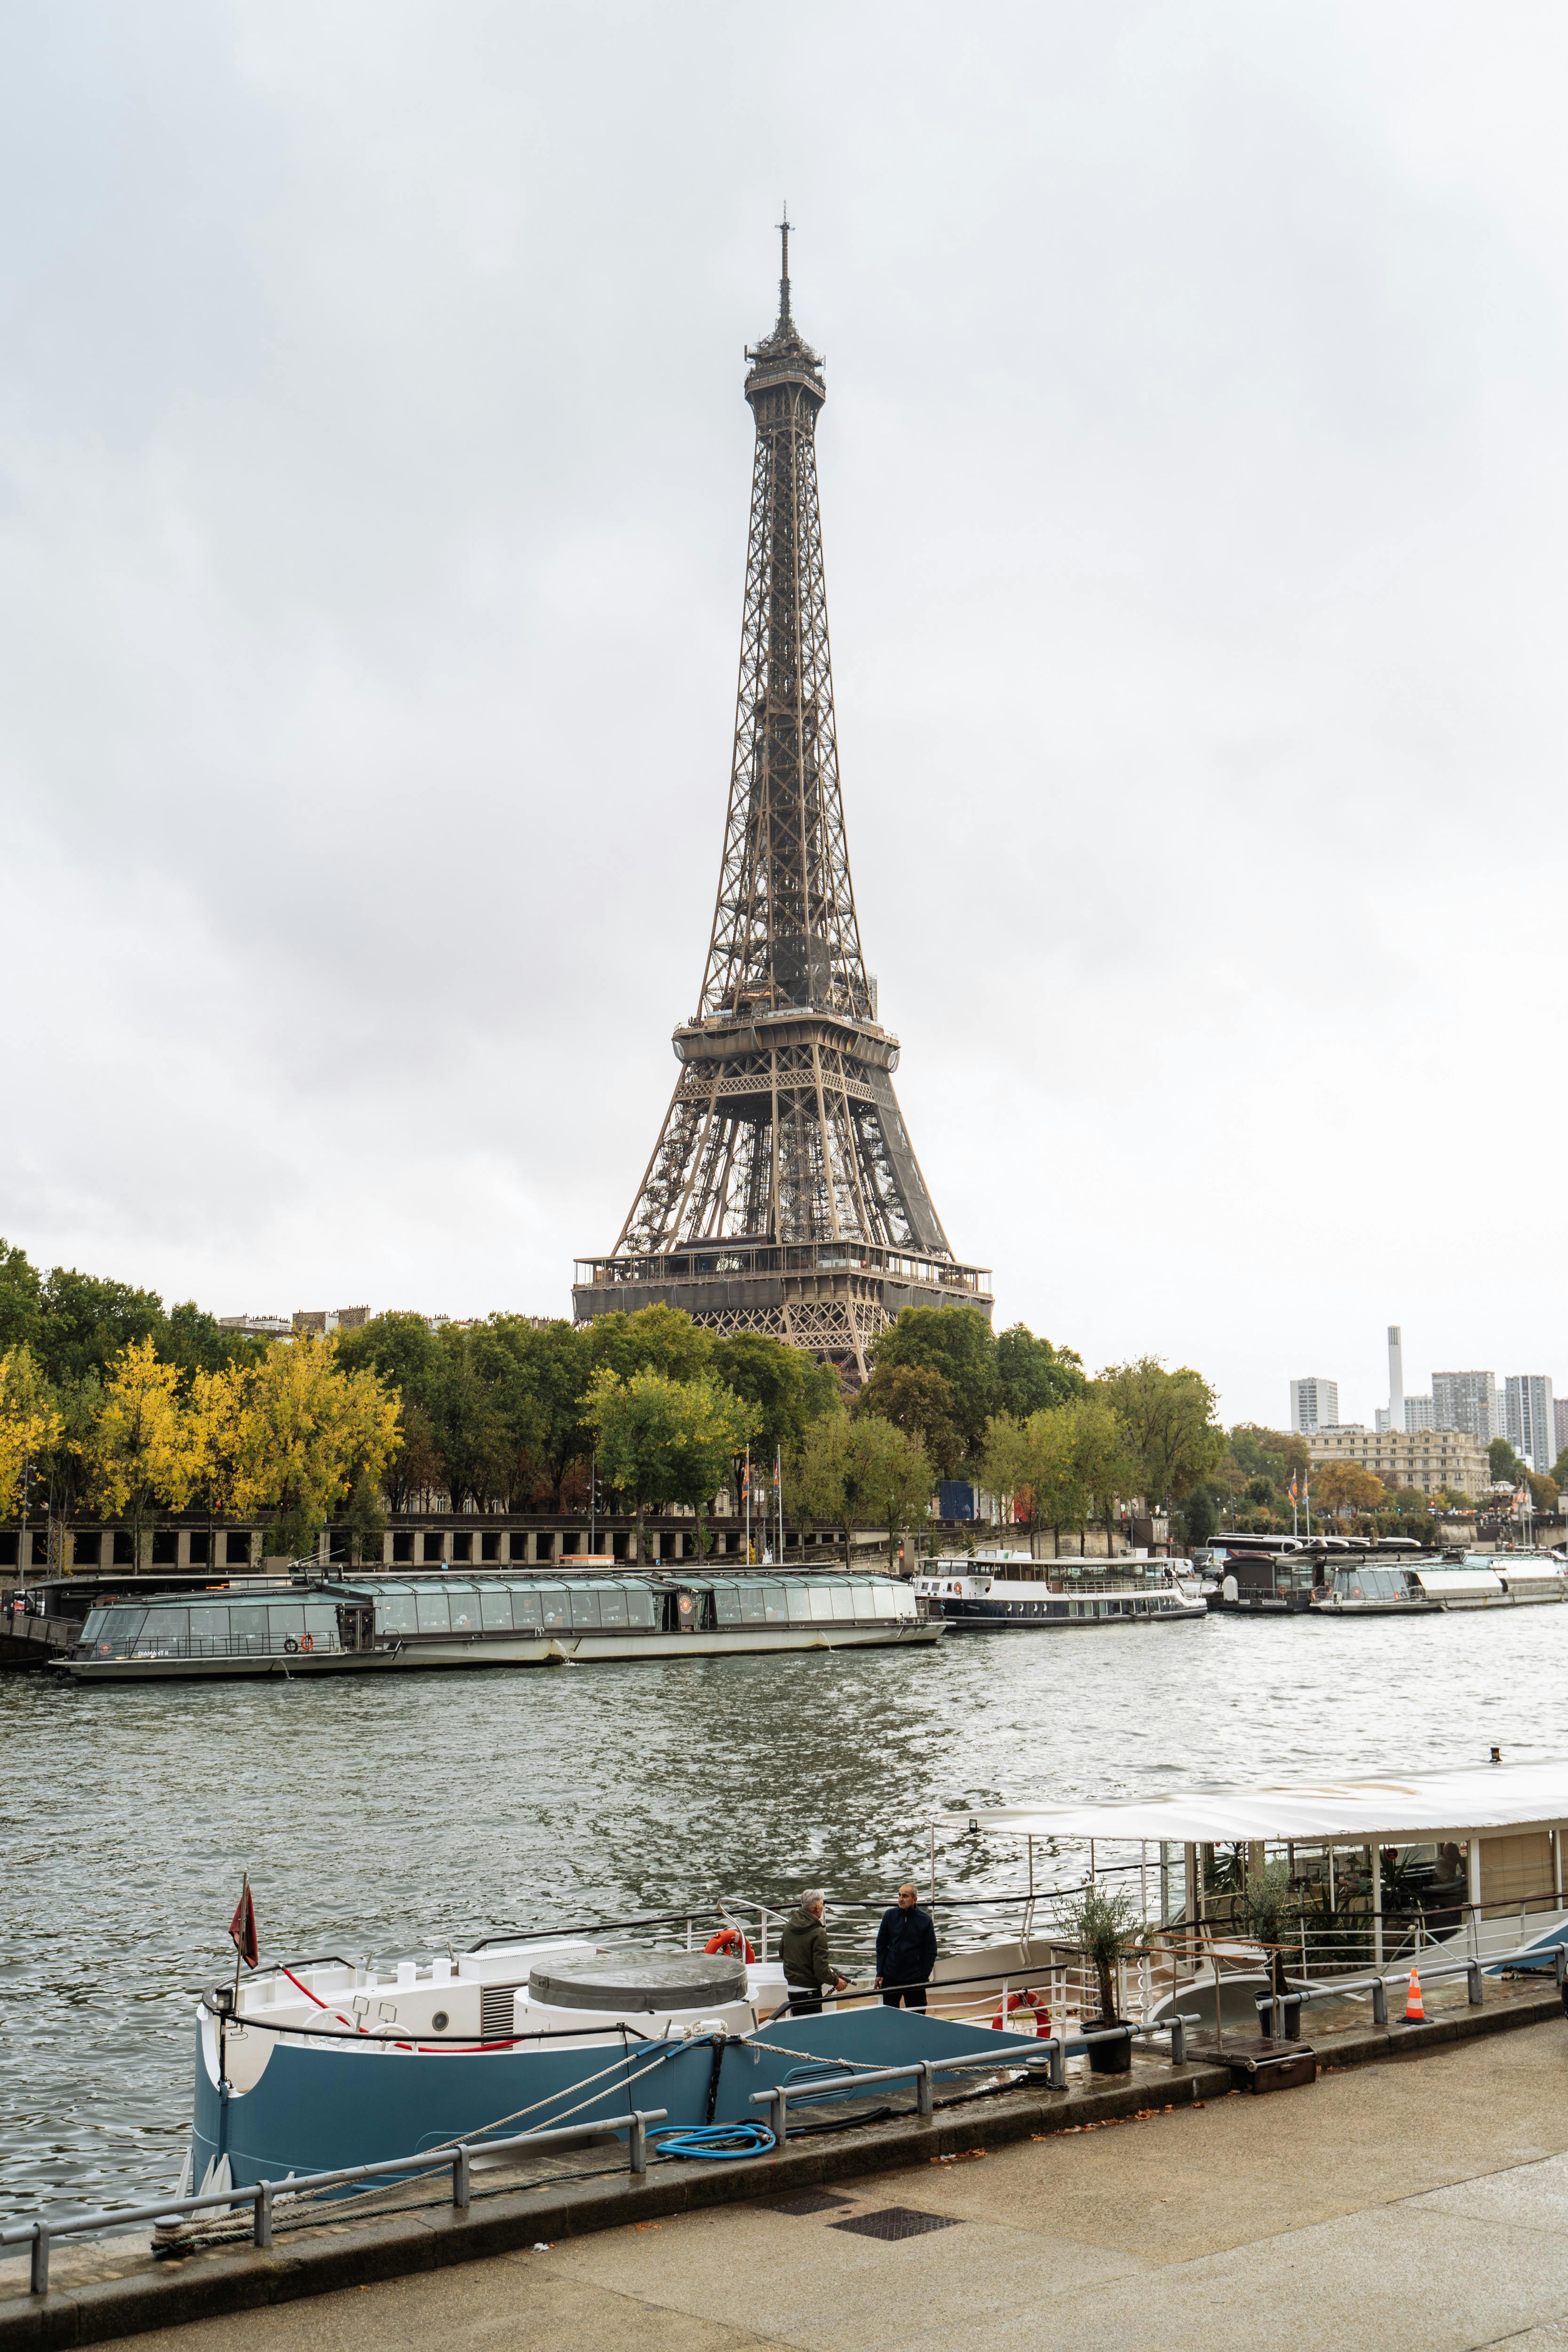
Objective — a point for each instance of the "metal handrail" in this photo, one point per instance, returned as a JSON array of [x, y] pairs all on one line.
[[1533, 1956], [1054, 2048], [42, 2231]]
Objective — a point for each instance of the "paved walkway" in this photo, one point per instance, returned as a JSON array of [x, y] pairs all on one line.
[[1411, 2208]]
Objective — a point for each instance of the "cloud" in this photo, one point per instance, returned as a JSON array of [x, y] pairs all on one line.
[[374, 470]]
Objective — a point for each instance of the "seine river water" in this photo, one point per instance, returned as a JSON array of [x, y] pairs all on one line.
[[391, 1815]]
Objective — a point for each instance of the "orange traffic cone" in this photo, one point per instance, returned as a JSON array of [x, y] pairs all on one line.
[[1414, 2008]]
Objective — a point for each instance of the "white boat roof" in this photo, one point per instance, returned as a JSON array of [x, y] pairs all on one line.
[[1416, 1808]]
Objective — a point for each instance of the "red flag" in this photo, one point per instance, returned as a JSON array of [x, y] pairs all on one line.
[[242, 1927]]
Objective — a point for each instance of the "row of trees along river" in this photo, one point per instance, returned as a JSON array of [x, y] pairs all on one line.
[[112, 1406]]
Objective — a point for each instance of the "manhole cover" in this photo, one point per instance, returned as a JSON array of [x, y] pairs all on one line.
[[806, 2200], [896, 2221]]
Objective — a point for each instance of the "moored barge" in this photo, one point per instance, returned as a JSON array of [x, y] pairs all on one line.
[[379, 1625], [1001, 1593]]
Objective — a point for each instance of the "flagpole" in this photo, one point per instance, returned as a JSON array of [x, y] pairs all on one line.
[[239, 1955], [747, 1480], [778, 1490]]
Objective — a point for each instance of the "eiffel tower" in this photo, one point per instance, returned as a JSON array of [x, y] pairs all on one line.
[[784, 1194]]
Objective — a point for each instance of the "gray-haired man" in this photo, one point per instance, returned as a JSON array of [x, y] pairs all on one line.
[[807, 1964]]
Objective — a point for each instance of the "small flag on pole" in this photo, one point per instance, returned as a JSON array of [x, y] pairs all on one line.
[[1294, 1487], [242, 1926]]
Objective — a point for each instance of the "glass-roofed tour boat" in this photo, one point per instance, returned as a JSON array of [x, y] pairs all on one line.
[[373, 1623]]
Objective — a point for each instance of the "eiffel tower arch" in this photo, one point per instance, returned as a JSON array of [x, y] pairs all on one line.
[[784, 1194]]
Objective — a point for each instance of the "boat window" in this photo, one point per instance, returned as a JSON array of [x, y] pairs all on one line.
[[463, 1600], [886, 1601], [394, 1613], [524, 1608], [434, 1613], [906, 1605], [165, 1629], [843, 1600], [821, 1603], [612, 1606], [321, 1624], [555, 1606], [209, 1631], [726, 1605], [495, 1609], [640, 1607], [799, 1604], [584, 1606], [776, 1605], [95, 1618], [122, 1624], [751, 1596], [287, 1619], [247, 1629]]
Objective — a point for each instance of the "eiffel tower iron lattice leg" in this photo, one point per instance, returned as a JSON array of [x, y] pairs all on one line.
[[784, 1194]]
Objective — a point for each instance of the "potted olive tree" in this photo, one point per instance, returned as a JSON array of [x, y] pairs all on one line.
[[1270, 1908], [1101, 1925]]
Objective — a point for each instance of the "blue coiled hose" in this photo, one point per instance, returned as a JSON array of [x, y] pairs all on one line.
[[713, 2140]]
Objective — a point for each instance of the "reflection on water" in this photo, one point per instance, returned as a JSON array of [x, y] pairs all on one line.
[[397, 1813]]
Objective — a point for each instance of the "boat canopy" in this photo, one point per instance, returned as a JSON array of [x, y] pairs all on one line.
[[1420, 1808]]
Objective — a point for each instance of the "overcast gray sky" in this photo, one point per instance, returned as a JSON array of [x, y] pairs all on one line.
[[373, 470]]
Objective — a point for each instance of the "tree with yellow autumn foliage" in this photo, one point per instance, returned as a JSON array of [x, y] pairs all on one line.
[[142, 1453], [29, 1423], [310, 1429]]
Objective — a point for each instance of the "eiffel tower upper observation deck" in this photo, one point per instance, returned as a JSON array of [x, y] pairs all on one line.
[[784, 1194]]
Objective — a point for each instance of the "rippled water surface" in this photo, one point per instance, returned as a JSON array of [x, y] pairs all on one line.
[[397, 1812]]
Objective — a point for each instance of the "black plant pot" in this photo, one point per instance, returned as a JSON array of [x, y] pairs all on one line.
[[1114, 2055]]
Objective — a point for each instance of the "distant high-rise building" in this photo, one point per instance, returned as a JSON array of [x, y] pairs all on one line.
[[1314, 1404], [1419, 1414], [1559, 1416], [1529, 1424], [1466, 1401], [1395, 1376]]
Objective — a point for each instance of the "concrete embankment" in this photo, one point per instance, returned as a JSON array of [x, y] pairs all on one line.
[[115, 2288]]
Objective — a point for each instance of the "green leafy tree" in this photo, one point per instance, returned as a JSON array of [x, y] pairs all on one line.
[[1032, 1375], [918, 1400], [817, 1473], [1503, 1462], [655, 1339], [663, 1441], [889, 1478], [959, 1343], [86, 1324], [193, 1339], [21, 1302], [789, 1388], [416, 1465], [1172, 1441]]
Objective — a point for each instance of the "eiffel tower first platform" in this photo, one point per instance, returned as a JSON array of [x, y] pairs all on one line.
[[784, 1194]]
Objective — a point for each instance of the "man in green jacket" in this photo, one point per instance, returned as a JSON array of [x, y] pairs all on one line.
[[808, 1966]]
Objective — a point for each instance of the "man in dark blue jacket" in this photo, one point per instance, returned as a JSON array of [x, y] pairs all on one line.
[[906, 1951]]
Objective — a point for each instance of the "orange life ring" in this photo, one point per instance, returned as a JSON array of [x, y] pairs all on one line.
[[307, 1641], [1030, 2000], [726, 1940]]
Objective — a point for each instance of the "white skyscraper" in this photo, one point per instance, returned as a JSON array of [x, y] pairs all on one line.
[[1395, 1378], [1419, 1414], [1529, 1423], [1314, 1404]]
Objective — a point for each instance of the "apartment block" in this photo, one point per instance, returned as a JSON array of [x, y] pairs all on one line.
[[1431, 1459], [1529, 1422], [1314, 1404], [1466, 1401]]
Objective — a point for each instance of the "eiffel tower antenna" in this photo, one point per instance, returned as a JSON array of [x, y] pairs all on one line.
[[784, 1194]]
